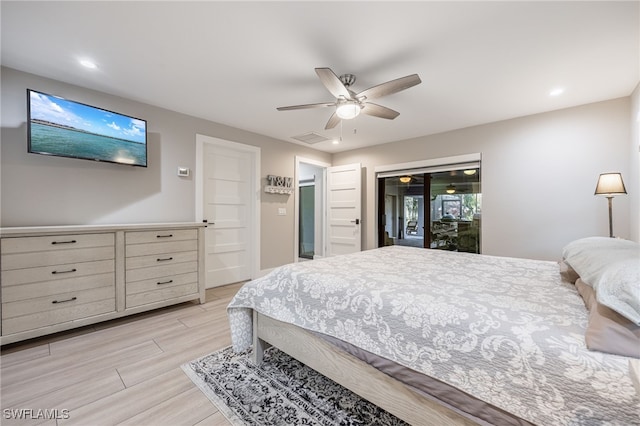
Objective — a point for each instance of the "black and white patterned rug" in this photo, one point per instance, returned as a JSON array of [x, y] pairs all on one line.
[[282, 391]]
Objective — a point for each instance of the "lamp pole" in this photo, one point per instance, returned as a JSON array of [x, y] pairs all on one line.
[[609, 198]]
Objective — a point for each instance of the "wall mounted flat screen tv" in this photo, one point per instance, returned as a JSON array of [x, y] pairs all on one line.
[[64, 128]]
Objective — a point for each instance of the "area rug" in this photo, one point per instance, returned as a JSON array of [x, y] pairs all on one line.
[[282, 391]]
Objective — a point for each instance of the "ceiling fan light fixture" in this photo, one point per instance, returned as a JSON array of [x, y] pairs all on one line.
[[348, 110], [451, 189], [405, 179], [470, 172]]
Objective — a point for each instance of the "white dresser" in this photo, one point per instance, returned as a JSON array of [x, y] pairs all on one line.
[[60, 277]]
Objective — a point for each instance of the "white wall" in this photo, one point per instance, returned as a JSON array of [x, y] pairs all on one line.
[[42, 190], [538, 176]]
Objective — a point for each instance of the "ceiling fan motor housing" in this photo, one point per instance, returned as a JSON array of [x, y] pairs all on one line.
[[347, 79]]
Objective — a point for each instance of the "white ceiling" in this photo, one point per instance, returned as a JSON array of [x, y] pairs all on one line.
[[235, 62]]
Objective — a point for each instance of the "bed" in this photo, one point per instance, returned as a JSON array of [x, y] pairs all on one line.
[[505, 335]]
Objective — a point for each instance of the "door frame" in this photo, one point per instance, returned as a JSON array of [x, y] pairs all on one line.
[[254, 219], [296, 180]]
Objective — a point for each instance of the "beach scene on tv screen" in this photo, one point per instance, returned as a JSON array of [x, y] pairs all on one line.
[[67, 128]]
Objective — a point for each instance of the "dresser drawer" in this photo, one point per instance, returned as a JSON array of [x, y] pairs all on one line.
[[15, 277], [136, 262], [159, 283], [144, 237], [161, 294], [69, 257], [155, 284], [160, 271], [68, 312], [56, 242], [168, 247], [57, 301], [12, 293]]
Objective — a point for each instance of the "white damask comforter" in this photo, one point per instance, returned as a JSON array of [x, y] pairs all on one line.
[[507, 331]]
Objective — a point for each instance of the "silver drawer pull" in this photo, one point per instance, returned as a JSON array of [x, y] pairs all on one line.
[[164, 259], [64, 272], [165, 282], [164, 236], [63, 301], [64, 242]]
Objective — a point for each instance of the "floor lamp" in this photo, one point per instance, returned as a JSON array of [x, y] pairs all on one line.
[[610, 184]]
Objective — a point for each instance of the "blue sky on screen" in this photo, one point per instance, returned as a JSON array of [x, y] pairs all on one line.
[[84, 117]]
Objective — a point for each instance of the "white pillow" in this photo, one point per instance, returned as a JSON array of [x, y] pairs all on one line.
[[612, 267]]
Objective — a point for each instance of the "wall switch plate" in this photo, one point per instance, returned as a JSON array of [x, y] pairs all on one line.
[[282, 211], [183, 171]]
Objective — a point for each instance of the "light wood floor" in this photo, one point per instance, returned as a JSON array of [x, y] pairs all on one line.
[[125, 371]]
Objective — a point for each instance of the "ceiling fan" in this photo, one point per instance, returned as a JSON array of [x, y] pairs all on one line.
[[349, 104]]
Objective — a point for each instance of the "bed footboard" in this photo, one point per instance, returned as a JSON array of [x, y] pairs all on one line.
[[350, 372]]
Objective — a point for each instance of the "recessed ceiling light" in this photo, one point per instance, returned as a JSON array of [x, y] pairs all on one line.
[[88, 64], [336, 141], [557, 91]]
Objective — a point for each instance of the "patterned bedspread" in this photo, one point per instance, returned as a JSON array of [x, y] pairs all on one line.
[[507, 331]]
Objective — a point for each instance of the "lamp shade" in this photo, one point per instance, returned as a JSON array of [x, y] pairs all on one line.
[[609, 184]]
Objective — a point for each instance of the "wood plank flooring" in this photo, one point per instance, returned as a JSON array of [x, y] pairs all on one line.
[[126, 371]]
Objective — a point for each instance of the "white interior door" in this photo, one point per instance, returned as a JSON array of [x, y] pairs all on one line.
[[344, 209], [227, 205]]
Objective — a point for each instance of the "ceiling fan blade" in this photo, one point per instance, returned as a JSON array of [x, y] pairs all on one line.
[[333, 121], [321, 105], [379, 111], [389, 87], [333, 83]]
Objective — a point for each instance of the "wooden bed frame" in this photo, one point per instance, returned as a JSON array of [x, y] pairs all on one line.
[[350, 372]]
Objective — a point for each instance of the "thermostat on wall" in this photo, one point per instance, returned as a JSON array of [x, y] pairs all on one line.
[[183, 171]]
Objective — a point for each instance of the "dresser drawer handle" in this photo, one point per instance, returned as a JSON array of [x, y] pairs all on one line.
[[164, 236], [165, 282], [64, 242], [164, 259], [63, 301], [64, 272]]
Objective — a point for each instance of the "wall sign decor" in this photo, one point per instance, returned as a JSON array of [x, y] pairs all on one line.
[[279, 185]]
